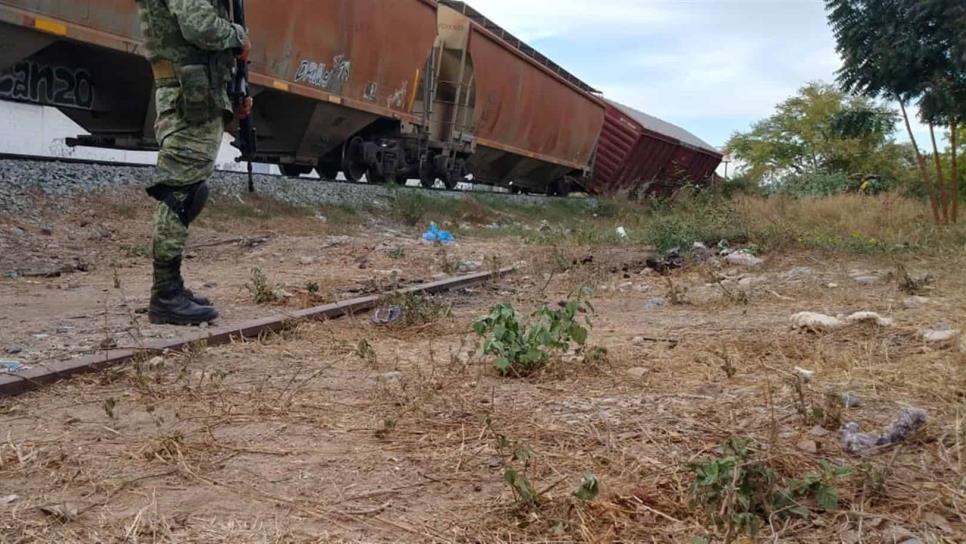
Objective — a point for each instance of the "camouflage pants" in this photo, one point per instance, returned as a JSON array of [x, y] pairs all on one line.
[[187, 157]]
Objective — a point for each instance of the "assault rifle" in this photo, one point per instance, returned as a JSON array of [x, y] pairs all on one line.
[[239, 90]]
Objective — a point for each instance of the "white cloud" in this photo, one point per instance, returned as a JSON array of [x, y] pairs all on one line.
[[534, 20]]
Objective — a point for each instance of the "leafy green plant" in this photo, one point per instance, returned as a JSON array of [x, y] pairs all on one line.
[[820, 486], [263, 291], [397, 253], [521, 348], [737, 490]]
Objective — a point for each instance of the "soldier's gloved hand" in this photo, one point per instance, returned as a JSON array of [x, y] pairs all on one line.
[[246, 50], [245, 110]]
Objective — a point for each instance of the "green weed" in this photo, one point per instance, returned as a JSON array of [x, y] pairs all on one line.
[[521, 348], [264, 291]]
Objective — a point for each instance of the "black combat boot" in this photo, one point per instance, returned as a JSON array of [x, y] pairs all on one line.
[[171, 303], [171, 271], [170, 306]]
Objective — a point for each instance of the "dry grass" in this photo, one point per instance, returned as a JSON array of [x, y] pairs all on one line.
[[304, 438]]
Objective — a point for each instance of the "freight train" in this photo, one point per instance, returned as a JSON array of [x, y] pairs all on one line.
[[382, 89]]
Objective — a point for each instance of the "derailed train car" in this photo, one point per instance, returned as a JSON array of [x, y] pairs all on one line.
[[639, 153], [387, 89]]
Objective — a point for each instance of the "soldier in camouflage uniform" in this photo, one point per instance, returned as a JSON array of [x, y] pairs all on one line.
[[192, 46]]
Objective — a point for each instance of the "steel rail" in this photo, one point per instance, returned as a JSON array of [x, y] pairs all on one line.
[[12, 384]]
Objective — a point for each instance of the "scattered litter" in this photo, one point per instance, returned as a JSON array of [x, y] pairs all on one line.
[[386, 315], [699, 246], [9, 499], [66, 329], [655, 303], [870, 317], [816, 322], [9, 367], [41, 336], [907, 423], [322, 218], [743, 257], [434, 234], [622, 233], [14, 350], [663, 265], [851, 400], [833, 286], [805, 374]]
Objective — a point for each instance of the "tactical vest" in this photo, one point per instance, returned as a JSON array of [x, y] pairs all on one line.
[[176, 61]]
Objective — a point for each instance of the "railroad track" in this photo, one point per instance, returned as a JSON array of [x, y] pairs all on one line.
[[119, 164], [22, 381]]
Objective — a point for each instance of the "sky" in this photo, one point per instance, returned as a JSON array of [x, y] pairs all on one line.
[[713, 67]]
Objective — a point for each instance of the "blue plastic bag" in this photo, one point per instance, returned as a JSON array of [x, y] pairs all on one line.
[[434, 234]]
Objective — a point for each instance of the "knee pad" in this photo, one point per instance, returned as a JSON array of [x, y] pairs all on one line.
[[186, 202], [194, 203]]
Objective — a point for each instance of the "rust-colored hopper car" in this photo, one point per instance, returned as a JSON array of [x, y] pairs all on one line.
[[386, 89]]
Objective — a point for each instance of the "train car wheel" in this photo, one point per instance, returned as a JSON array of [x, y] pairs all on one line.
[[353, 165], [427, 177]]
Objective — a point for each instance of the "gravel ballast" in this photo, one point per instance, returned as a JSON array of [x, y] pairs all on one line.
[[21, 181]]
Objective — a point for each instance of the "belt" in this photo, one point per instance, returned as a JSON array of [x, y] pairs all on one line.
[[163, 69]]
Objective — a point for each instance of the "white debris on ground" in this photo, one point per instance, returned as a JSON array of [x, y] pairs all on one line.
[[817, 322], [743, 257], [870, 317]]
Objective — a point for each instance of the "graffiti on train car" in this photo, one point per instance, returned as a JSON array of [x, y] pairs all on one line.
[[58, 86], [319, 74]]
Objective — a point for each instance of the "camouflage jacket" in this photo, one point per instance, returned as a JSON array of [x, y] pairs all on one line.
[[192, 32]]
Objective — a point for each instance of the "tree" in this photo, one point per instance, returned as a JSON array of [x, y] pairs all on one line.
[[910, 51], [821, 130]]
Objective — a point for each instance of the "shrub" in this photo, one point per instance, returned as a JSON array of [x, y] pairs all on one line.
[[521, 348]]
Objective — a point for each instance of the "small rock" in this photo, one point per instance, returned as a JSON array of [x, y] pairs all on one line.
[[156, 362], [833, 286], [9, 499], [799, 273], [805, 374], [751, 281], [939, 336], [656, 302], [820, 432], [65, 329], [915, 302], [389, 378], [851, 400], [14, 350], [938, 522], [743, 258], [808, 446], [866, 280], [816, 322], [637, 373], [306, 261]]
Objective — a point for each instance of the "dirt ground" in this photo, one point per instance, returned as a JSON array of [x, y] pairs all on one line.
[[343, 431]]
